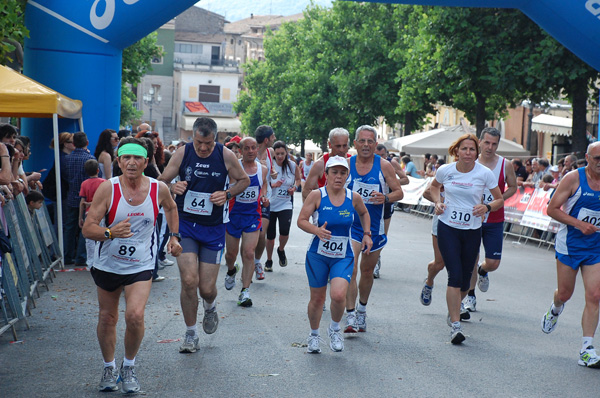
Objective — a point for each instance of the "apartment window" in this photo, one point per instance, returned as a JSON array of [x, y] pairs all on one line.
[[208, 93], [159, 60]]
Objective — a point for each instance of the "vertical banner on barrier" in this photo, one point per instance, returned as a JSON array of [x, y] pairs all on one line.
[[413, 191], [515, 206]]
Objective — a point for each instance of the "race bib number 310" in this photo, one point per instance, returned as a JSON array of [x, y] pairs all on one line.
[[197, 203]]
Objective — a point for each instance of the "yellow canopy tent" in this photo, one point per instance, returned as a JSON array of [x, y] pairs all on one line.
[[21, 96]]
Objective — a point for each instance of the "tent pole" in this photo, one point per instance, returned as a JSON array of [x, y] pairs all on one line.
[[59, 218]]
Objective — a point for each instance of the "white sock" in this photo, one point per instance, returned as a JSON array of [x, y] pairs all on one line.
[[335, 326], [361, 308], [455, 325], [208, 306], [586, 342], [314, 332], [191, 330], [556, 310], [257, 261], [128, 362], [109, 364]]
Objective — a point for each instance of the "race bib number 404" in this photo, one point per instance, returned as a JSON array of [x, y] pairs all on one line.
[[365, 190], [334, 247], [197, 203]]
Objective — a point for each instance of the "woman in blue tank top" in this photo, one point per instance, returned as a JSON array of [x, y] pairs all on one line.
[[330, 255]]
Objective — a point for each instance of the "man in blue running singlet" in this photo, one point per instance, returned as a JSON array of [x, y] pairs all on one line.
[[374, 179], [576, 204]]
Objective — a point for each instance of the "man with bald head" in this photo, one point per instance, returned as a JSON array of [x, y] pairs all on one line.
[[576, 205]]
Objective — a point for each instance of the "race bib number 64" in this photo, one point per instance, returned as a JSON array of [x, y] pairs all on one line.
[[197, 203]]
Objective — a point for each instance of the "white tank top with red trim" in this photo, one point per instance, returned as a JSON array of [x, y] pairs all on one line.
[[125, 256]]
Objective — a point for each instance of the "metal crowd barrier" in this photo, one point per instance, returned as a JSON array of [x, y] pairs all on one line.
[[31, 263]]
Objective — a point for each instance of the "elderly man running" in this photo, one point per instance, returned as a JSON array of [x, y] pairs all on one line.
[[374, 179], [204, 167], [122, 221], [576, 205]]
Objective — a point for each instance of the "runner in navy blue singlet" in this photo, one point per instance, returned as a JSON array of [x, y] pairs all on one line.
[[204, 168]]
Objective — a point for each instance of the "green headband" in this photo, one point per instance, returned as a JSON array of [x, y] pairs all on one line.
[[132, 149]]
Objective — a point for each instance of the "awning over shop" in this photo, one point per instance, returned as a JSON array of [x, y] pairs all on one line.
[[226, 124], [554, 125], [23, 97]]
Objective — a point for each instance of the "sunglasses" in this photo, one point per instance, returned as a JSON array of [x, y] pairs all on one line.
[[114, 138]]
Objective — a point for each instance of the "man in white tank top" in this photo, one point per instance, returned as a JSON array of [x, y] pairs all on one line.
[[125, 254]]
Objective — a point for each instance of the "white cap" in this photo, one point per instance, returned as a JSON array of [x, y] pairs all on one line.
[[337, 161], [554, 168]]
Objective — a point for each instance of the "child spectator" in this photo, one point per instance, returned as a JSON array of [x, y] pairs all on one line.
[[34, 200], [87, 191]]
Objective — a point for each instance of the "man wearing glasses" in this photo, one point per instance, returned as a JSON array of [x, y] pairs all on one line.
[[374, 179]]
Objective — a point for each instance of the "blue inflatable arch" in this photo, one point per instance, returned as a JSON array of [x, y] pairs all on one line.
[[75, 48]]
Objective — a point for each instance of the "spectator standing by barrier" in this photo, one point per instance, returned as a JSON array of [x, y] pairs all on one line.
[[75, 161], [374, 179], [576, 204], [65, 146], [535, 176], [459, 224], [125, 257], [105, 152], [520, 171], [330, 256], [87, 191], [409, 167], [492, 229]]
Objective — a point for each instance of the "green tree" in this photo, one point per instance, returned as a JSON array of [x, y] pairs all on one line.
[[12, 28], [137, 60], [474, 59]]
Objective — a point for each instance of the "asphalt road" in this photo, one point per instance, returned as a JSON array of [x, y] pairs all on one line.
[[259, 352]]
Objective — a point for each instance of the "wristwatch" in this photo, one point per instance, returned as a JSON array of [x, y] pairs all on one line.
[[107, 233], [175, 234], [387, 198], [489, 208], [368, 233], [228, 195]]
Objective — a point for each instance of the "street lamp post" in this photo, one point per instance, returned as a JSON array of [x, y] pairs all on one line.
[[150, 99]]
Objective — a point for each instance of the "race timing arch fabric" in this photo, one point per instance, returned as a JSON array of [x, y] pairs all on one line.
[[574, 23], [75, 48]]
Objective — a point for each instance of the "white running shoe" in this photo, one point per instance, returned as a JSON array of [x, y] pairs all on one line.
[[260, 272], [191, 343], [361, 321], [336, 340], [483, 282], [166, 262], [230, 279], [377, 268], [426, 293], [470, 302], [549, 320], [351, 323], [313, 344], [589, 358], [456, 335]]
